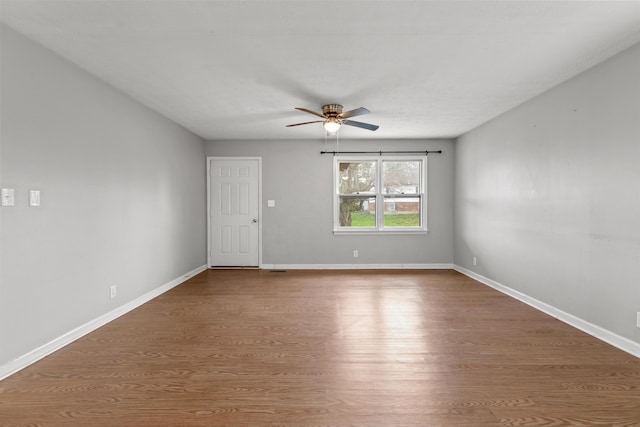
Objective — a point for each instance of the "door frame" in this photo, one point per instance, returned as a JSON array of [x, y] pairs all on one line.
[[209, 177]]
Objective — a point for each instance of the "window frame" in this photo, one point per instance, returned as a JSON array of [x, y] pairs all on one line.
[[379, 196]]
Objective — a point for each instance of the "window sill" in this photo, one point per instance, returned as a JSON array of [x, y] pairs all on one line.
[[378, 232]]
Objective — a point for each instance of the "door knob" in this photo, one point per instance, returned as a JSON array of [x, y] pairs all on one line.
[[254, 220]]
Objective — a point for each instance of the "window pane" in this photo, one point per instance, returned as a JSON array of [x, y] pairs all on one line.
[[401, 177], [356, 177], [357, 212], [401, 211]]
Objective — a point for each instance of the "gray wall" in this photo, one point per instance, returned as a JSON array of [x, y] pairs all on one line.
[[548, 197], [123, 198], [299, 229]]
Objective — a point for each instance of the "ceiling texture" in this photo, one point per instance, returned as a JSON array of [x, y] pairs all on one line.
[[236, 69]]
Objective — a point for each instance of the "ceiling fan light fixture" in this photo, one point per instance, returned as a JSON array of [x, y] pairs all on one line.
[[331, 125]]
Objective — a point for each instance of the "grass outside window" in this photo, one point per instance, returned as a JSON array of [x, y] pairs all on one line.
[[365, 219]]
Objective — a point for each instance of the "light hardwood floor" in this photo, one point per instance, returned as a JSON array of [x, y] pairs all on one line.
[[329, 348]]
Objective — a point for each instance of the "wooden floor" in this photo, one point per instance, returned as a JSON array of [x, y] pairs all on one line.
[[329, 348]]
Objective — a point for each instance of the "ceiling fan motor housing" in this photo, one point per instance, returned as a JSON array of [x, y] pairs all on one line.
[[332, 110]]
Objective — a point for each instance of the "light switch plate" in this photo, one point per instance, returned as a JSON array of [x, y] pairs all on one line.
[[8, 197], [34, 198]]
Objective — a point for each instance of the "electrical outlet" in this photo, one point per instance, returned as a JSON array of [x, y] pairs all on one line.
[[638, 319], [113, 291], [355, 253], [475, 261]]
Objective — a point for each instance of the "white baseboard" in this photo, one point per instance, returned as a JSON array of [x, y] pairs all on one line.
[[356, 266], [56, 344], [605, 335]]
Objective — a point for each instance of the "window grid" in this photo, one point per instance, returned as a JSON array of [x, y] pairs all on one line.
[[380, 195]]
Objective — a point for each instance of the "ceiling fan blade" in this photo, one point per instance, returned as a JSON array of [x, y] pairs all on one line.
[[311, 112], [305, 123], [360, 125], [352, 113]]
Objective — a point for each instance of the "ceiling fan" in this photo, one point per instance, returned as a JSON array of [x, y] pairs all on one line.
[[333, 118]]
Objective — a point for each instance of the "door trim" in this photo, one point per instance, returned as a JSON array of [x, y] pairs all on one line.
[[209, 160]]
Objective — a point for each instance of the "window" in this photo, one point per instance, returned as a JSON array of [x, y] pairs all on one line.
[[380, 194]]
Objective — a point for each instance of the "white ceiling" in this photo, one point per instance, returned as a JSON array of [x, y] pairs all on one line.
[[236, 69]]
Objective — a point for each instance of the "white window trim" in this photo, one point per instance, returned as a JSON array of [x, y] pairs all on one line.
[[380, 229]]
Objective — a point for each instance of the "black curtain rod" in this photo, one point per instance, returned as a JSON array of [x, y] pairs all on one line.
[[426, 152]]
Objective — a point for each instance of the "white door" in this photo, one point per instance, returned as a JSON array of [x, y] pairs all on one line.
[[234, 212]]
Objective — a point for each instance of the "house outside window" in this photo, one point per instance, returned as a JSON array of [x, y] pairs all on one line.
[[380, 194]]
